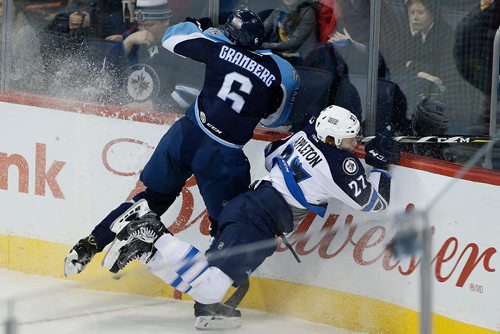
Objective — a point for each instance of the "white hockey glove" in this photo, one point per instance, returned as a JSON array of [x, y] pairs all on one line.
[[80, 256]]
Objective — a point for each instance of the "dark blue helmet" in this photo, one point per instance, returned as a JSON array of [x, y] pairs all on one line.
[[245, 28]]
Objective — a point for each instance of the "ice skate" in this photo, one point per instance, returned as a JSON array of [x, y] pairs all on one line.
[[216, 316], [134, 240]]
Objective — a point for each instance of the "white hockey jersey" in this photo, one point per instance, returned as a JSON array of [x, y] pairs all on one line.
[[308, 172]]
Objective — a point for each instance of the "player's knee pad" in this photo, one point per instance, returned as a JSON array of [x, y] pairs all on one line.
[[177, 263], [157, 265], [211, 286], [175, 251]]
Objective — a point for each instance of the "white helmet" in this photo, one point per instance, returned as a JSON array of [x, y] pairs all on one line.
[[338, 123]]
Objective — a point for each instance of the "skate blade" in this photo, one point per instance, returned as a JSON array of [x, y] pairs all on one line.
[[214, 322], [140, 208]]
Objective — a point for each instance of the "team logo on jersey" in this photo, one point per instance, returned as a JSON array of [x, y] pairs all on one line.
[[142, 82], [350, 166], [203, 117], [214, 31]]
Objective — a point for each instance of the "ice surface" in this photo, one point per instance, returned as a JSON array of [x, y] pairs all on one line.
[[48, 305]]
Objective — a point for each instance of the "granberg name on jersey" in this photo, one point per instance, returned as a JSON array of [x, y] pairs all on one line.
[[307, 151], [237, 58]]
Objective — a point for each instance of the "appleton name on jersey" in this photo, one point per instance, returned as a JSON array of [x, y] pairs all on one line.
[[308, 172], [242, 86]]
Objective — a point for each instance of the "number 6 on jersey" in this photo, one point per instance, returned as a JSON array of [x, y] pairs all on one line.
[[225, 91]]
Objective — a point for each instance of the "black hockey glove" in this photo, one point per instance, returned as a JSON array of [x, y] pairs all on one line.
[[431, 117], [202, 23], [382, 150], [80, 256]]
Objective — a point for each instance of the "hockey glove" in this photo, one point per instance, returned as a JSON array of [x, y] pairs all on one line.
[[382, 150], [80, 256]]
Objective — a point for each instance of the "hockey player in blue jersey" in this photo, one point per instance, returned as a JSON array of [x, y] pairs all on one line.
[[243, 86], [305, 171]]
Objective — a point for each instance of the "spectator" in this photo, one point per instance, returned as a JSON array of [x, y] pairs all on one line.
[[431, 42], [79, 24], [292, 30], [62, 45], [153, 19], [426, 62], [151, 75], [77, 64], [95, 19], [353, 23], [90, 19], [473, 52], [327, 20], [353, 20], [429, 78], [76, 21]]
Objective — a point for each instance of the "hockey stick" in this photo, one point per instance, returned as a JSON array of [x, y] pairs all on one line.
[[438, 139], [235, 299]]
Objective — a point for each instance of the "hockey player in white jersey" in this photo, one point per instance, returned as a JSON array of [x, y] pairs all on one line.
[[305, 171]]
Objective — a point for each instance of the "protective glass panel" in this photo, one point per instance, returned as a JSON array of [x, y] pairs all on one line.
[[440, 56]]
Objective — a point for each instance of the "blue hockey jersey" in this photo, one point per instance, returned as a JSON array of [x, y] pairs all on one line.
[[242, 87]]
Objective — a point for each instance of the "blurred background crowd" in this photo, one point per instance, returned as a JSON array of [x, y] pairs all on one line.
[[422, 66]]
